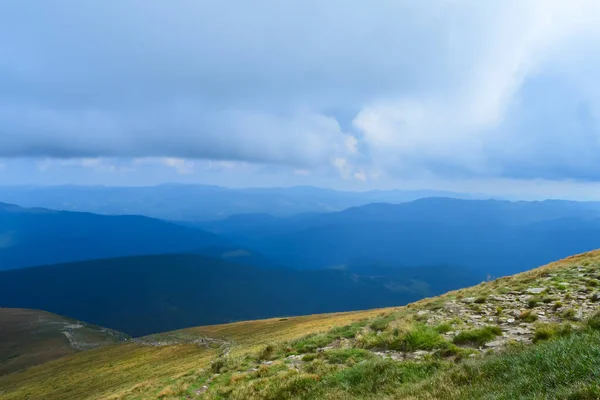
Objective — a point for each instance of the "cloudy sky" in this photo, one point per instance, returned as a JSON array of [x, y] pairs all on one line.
[[472, 95]]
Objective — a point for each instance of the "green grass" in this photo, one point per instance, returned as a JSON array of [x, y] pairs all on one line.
[[477, 337], [311, 343], [528, 316], [594, 322], [380, 324], [413, 337], [347, 356], [569, 314], [550, 331], [533, 302], [420, 337], [565, 368]]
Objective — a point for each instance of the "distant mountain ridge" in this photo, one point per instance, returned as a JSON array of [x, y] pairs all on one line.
[[492, 236], [203, 202], [38, 236]]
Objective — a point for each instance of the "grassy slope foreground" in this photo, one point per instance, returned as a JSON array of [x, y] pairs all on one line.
[[533, 335], [32, 337]]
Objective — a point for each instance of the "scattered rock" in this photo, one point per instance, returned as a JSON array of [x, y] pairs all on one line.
[[202, 390], [535, 290]]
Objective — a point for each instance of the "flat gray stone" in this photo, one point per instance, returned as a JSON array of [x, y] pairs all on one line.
[[535, 290]]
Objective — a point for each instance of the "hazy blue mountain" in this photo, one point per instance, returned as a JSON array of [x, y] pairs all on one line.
[[142, 295], [201, 202], [38, 236], [495, 237]]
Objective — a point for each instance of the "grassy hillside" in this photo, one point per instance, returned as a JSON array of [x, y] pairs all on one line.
[[143, 368], [32, 337], [533, 335]]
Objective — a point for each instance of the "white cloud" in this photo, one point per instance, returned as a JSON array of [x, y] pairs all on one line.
[[351, 144], [436, 88], [343, 167], [463, 129], [183, 167], [92, 164], [360, 176]]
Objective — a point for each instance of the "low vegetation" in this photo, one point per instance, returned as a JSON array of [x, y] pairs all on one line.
[[477, 337]]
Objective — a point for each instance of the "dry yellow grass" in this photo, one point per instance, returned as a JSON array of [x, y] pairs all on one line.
[[33, 337], [136, 371], [277, 329], [105, 373]]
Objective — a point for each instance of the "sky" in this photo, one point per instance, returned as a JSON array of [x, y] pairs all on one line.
[[468, 95]]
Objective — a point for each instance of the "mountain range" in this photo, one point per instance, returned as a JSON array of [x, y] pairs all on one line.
[[490, 236], [142, 275], [203, 202], [36, 236]]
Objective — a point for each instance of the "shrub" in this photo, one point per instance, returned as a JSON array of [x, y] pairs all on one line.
[[528, 316], [410, 338], [347, 356], [225, 364], [381, 324], [557, 305], [475, 307], [569, 313], [348, 331], [311, 343], [592, 283], [480, 300], [594, 321], [478, 336], [532, 303], [548, 300], [444, 328], [267, 353], [420, 337], [550, 331]]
